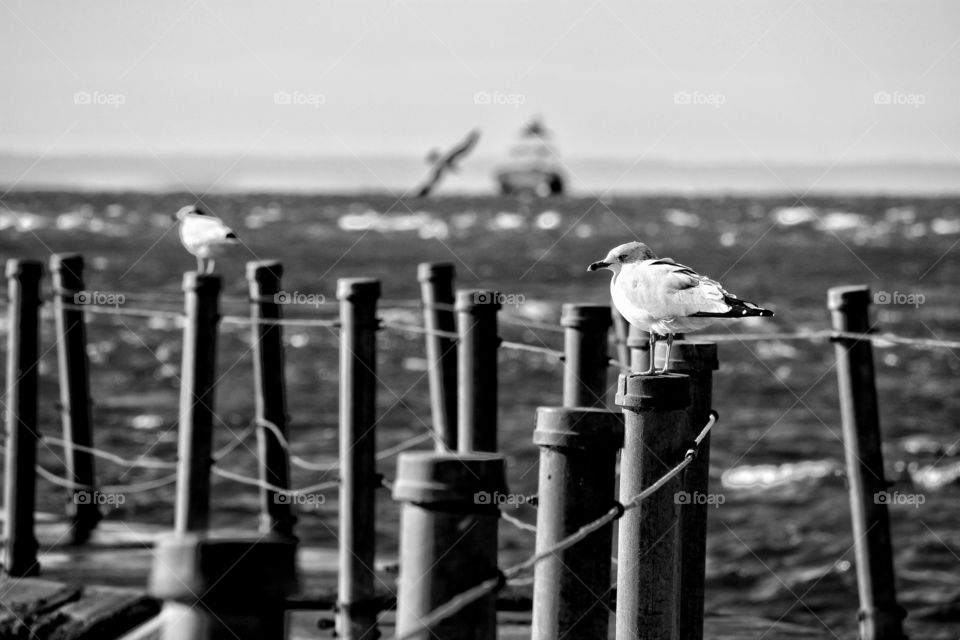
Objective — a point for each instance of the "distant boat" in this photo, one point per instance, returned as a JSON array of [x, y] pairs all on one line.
[[532, 166]]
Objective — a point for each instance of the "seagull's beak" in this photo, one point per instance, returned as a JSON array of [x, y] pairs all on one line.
[[598, 265]]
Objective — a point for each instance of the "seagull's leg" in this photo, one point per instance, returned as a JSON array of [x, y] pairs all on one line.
[[210, 262], [199, 264], [666, 362], [653, 350]]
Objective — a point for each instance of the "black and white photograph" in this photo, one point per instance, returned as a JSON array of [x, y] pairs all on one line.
[[462, 320]]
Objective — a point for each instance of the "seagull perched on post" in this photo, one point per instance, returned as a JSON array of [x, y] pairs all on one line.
[[663, 297], [204, 235]]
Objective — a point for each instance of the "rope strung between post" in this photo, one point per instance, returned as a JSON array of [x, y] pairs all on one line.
[[281, 322], [496, 583], [256, 482], [124, 489], [142, 462]]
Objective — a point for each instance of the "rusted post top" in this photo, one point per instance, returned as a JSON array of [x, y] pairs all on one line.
[[661, 392], [477, 301], [692, 357], [24, 269], [586, 316], [202, 283], [578, 427], [358, 289], [264, 273], [431, 271], [857, 295], [425, 477]]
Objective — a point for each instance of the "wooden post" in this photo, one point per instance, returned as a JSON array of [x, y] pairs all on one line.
[[74, 375], [436, 292], [477, 369], [20, 486], [357, 615], [578, 455], [448, 539], [585, 360], [621, 331], [698, 360], [639, 344], [197, 390], [881, 618], [647, 577], [223, 589], [276, 515]]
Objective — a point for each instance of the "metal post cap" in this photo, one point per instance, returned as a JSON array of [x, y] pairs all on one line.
[[474, 300], [358, 288], [226, 574], [857, 295], [580, 427], [257, 269], [578, 316], [24, 268], [430, 271], [690, 357], [660, 392], [425, 477]]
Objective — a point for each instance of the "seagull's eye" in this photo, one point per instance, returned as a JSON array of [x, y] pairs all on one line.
[[621, 257]]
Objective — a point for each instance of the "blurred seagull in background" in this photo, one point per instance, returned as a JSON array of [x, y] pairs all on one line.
[[663, 297], [204, 235], [447, 162]]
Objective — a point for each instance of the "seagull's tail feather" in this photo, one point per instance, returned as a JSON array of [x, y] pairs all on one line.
[[738, 309]]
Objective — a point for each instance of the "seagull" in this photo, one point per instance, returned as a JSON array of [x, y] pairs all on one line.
[[204, 235], [663, 297], [444, 162]]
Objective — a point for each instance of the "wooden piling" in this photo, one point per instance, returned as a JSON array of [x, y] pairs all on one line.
[[263, 278], [477, 379], [74, 377], [621, 332], [697, 360], [197, 390], [448, 540], [638, 342], [578, 454], [585, 362], [436, 292], [647, 578], [881, 618], [223, 589], [356, 611], [20, 487]]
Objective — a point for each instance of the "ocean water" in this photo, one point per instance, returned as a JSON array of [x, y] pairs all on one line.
[[780, 543]]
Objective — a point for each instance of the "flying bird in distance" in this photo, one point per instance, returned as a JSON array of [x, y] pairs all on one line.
[[662, 297], [204, 235], [443, 163]]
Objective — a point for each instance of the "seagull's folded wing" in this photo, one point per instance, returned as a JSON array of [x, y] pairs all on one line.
[[205, 230], [670, 290]]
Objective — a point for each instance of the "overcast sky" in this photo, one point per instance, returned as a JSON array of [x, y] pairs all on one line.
[[700, 81]]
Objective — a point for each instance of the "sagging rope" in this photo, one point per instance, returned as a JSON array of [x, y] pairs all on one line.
[[496, 583]]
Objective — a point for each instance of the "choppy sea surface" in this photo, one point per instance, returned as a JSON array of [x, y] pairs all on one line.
[[780, 541]]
